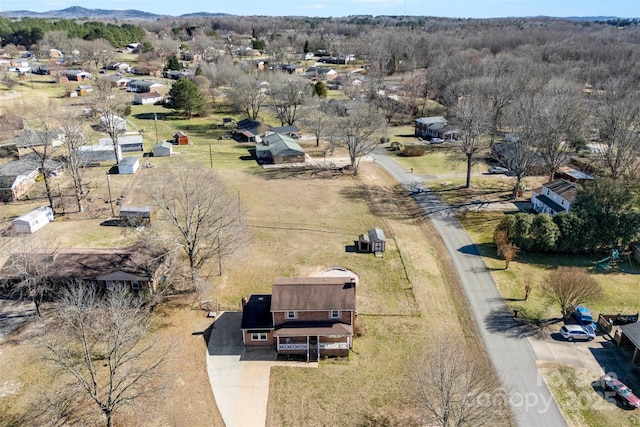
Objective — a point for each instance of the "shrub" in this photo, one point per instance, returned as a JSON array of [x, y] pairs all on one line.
[[396, 146], [413, 151]]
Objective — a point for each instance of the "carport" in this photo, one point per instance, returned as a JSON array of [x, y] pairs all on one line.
[[631, 335]]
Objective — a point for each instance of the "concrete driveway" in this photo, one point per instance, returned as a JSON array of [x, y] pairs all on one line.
[[594, 358], [240, 376]]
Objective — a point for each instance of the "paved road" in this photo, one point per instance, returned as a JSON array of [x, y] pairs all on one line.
[[510, 353]]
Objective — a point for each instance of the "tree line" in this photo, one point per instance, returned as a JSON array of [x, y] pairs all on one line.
[[29, 31], [603, 217]]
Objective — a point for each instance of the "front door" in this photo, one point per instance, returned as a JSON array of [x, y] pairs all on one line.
[[313, 349]]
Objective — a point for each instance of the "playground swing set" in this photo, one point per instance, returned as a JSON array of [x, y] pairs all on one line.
[[612, 260]]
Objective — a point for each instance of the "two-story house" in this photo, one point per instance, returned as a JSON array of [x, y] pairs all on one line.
[[554, 197], [308, 316]]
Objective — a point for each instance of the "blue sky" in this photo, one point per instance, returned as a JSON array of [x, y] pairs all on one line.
[[445, 8]]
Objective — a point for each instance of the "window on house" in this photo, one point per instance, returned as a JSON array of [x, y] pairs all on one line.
[[291, 314], [135, 285], [259, 336], [335, 314]]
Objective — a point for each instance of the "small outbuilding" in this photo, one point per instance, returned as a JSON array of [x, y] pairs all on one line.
[[135, 216], [128, 165], [372, 241], [33, 221], [162, 149], [180, 138]]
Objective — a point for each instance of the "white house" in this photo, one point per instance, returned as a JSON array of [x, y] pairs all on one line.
[[162, 149], [33, 221], [128, 165], [554, 197], [146, 98]]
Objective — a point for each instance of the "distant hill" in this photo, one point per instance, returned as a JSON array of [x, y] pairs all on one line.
[[77, 12]]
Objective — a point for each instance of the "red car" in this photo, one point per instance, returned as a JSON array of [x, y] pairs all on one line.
[[621, 391]]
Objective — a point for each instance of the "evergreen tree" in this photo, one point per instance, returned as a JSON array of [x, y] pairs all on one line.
[[320, 89], [173, 64], [186, 96]]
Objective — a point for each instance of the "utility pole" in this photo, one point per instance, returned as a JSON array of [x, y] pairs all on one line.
[[113, 214], [210, 155], [155, 119]]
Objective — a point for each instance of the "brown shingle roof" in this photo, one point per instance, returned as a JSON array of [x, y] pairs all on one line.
[[313, 293], [85, 264]]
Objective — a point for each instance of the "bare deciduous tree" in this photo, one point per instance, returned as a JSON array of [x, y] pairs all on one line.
[[570, 286], [456, 387], [71, 127], [356, 131], [527, 128], [42, 139], [204, 220], [247, 95], [287, 97], [28, 268], [111, 107], [317, 121], [562, 112], [102, 349], [472, 116], [617, 118]]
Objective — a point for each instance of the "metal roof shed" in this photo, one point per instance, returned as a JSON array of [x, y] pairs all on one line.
[[128, 165], [33, 221], [137, 215], [162, 149]]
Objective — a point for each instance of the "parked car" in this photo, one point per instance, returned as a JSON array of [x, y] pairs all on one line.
[[498, 169], [622, 392], [584, 318], [437, 140], [576, 332]]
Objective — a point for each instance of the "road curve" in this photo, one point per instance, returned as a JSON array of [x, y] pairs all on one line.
[[511, 355]]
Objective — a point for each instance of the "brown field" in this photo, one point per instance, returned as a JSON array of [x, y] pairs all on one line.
[[300, 222]]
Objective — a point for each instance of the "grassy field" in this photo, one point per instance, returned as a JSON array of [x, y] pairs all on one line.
[[300, 222]]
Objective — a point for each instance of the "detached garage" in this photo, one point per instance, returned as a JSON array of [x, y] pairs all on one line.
[[33, 221]]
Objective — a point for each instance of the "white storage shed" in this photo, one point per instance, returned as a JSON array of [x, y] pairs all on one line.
[[33, 221]]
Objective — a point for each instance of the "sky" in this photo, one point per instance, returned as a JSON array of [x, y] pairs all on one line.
[[338, 8]]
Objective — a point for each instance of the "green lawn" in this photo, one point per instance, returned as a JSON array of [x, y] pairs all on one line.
[[619, 286]]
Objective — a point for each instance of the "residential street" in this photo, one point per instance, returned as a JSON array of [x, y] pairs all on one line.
[[510, 353]]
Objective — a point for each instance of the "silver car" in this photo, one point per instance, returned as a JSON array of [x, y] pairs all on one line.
[[576, 332], [498, 169]]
